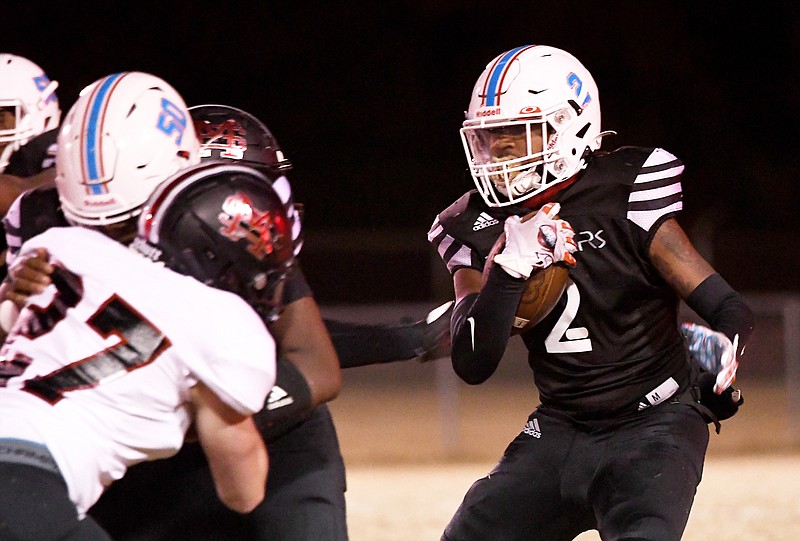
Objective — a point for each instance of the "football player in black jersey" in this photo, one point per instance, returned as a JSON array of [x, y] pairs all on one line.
[[29, 118], [618, 441], [305, 489]]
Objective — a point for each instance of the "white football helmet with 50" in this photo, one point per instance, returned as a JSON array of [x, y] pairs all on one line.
[[543, 102], [27, 95], [126, 134]]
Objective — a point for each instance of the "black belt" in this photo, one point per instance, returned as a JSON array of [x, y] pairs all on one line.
[[27, 453]]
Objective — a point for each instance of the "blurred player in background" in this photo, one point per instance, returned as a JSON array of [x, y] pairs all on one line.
[[619, 439], [102, 369], [29, 117], [305, 490], [305, 493]]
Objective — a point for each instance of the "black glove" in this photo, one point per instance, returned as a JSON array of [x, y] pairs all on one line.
[[723, 406]]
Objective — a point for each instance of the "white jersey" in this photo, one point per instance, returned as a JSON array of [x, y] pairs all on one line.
[[99, 366]]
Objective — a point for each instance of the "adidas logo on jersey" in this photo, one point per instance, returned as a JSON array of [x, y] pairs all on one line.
[[532, 428], [483, 221]]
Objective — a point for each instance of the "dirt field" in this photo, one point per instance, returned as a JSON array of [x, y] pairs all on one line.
[[414, 439]]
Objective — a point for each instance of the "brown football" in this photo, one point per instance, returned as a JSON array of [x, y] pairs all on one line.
[[542, 291]]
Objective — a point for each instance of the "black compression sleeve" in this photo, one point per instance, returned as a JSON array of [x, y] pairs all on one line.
[[360, 345], [287, 405], [481, 326], [724, 309]]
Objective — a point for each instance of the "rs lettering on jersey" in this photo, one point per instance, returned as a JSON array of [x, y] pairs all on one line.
[[593, 240]]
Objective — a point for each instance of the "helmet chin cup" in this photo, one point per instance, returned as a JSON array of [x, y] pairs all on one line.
[[521, 184]]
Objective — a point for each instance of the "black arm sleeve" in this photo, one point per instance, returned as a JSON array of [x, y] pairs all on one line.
[[724, 309], [361, 344], [287, 405], [481, 326]]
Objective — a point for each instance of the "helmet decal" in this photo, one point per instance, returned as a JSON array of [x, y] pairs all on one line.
[[47, 88], [172, 119], [242, 220], [575, 83], [229, 137]]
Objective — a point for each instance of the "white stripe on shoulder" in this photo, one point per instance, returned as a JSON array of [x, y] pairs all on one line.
[[658, 175], [659, 156], [646, 218], [462, 258], [655, 193], [436, 229]]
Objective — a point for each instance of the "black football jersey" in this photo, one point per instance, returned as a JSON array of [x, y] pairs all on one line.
[[613, 335], [34, 157], [33, 212]]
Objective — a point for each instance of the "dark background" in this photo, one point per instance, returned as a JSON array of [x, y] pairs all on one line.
[[366, 98]]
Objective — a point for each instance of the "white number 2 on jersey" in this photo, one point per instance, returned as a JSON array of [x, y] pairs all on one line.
[[566, 339]]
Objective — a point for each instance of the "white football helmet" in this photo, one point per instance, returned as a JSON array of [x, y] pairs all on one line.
[[126, 134], [28, 103], [533, 120]]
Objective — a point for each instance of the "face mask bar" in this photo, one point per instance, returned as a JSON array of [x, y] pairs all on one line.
[[503, 182]]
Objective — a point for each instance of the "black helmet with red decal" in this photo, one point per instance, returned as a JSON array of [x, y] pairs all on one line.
[[224, 225], [229, 133]]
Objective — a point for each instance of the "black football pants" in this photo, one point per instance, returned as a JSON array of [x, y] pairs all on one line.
[[35, 506], [631, 479]]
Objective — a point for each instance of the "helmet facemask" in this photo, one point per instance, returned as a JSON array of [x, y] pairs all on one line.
[[509, 160]]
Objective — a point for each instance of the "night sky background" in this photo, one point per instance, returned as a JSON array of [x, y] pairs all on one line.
[[366, 99]]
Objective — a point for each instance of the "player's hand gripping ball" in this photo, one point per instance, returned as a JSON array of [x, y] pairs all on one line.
[[544, 286]]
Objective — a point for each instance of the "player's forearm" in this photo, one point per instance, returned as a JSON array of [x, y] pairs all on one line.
[[239, 467], [481, 326], [237, 456], [303, 340], [723, 308]]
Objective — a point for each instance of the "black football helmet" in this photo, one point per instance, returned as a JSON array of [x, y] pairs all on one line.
[[224, 225], [229, 133]]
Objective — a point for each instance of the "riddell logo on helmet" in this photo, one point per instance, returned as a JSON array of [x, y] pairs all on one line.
[[488, 112], [100, 202]]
